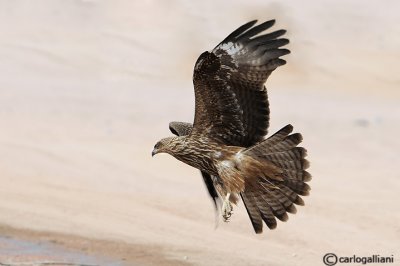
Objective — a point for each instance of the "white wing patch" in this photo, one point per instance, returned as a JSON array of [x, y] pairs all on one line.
[[231, 48]]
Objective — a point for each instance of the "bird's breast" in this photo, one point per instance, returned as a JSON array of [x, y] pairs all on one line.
[[201, 158]]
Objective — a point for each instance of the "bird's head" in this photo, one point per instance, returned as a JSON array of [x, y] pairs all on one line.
[[168, 145]]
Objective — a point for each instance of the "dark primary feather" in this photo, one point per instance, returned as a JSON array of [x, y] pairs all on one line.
[[239, 31], [257, 29]]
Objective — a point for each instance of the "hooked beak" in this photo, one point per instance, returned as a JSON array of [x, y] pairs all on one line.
[[154, 152]]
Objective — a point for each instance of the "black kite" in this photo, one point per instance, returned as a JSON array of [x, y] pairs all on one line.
[[226, 141]]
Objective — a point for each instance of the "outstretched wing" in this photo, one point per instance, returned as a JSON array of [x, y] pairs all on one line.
[[231, 100], [183, 129]]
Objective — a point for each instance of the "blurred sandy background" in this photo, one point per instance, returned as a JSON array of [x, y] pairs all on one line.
[[88, 87]]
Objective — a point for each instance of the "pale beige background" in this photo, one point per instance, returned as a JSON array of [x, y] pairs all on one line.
[[88, 87]]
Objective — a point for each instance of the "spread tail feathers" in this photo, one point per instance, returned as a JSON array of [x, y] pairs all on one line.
[[267, 198]]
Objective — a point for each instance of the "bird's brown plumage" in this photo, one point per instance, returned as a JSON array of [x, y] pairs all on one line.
[[226, 142]]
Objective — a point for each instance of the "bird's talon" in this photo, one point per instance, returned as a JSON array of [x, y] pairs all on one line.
[[227, 210]]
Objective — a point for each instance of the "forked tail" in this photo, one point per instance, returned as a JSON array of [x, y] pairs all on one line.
[[273, 197]]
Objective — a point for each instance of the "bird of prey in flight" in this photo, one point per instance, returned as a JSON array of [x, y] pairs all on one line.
[[226, 141]]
